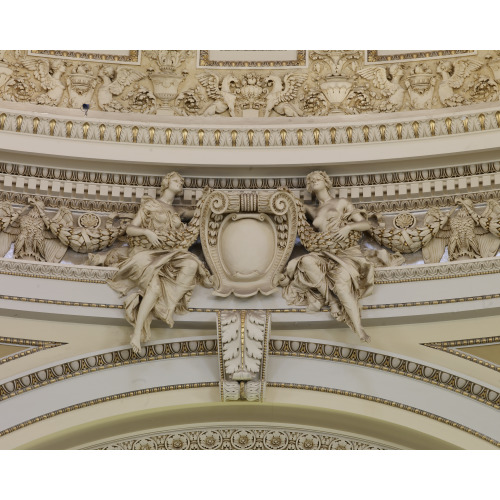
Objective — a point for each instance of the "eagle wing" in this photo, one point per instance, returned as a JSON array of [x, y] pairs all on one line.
[[377, 75], [124, 77], [6, 240], [211, 84], [41, 69], [292, 83], [462, 69], [54, 250], [488, 244]]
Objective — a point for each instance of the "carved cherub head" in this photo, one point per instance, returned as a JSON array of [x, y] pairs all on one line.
[[314, 177], [165, 183]]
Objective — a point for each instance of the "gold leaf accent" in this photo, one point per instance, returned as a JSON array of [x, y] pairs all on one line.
[[316, 136], [217, 137], [234, 135], [3, 117], [267, 135], [69, 128], [135, 132], [102, 130], [432, 125], [349, 134], [481, 121], [250, 137], [36, 122], [366, 131], [415, 126], [151, 135], [448, 125], [201, 135], [497, 116], [184, 136], [300, 135], [19, 122], [283, 137], [52, 127], [466, 124], [118, 132], [399, 130], [382, 129], [333, 133], [85, 127], [168, 135]]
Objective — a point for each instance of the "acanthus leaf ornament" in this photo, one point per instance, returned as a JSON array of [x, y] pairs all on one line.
[[243, 347]]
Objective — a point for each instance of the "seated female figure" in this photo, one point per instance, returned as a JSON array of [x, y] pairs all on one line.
[[335, 274], [159, 264]]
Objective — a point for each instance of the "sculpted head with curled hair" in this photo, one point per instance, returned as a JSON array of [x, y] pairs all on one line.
[[316, 177], [166, 182]]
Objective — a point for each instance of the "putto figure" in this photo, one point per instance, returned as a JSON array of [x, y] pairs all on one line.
[[159, 265], [335, 273]]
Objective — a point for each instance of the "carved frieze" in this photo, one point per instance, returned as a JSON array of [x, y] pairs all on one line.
[[332, 82]]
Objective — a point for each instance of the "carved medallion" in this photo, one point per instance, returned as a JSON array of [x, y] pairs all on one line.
[[247, 237]]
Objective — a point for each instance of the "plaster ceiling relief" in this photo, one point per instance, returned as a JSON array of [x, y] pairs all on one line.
[[249, 84]]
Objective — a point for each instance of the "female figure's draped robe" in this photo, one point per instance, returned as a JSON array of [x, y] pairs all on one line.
[[144, 264]]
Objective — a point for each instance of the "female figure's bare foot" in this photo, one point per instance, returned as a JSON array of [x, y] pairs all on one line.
[[135, 342], [364, 336]]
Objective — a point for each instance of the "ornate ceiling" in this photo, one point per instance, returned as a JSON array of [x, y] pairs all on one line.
[[408, 139]]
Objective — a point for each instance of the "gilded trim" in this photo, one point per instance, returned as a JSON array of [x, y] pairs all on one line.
[[139, 133], [132, 58], [432, 302], [204, 61], [37, 345], [104, 361], [372, 56], [412, 409], [60, 302], [449, 347], [266, 342], [115, 397], [249, 183], [282, 310], [387, 363]]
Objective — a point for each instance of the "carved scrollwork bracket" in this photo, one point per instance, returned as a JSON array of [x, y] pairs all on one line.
[[247, 237], [243, 339]]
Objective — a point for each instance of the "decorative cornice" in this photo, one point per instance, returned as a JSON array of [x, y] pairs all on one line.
[[387, 363], [376, 128], [395, 404], [241, 437], [450, 347], [383, 275], [61, 272], [384, 192], [36, 345], [111, 359], [426, 272]]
